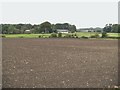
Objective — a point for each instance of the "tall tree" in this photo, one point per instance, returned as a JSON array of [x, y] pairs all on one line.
[[115, 28], [46, 27], [107, 28], [11, 29], [72, 28]]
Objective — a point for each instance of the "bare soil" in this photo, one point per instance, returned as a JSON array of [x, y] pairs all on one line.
[[59, 63]]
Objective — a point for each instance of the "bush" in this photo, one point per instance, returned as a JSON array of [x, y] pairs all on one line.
[[53, 35], [104, 35], [95, 36], [72, 36], [39, 36], [84, 37], [59, 34], [76, 36], [3, 36]]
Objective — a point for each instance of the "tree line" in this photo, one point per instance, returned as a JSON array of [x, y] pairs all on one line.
[[114, 28], [45, 27]]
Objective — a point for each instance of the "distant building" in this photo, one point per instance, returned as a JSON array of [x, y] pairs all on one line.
[[62, 31], [97, 29], [86, 30], [27, 31]]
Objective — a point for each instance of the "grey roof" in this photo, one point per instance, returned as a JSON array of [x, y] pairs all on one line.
[[62, 30]]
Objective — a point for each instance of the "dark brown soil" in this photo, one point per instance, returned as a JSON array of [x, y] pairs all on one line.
[[59, 63]]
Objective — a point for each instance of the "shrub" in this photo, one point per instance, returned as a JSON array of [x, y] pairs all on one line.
[[39, 36], [104, 35], [3, 36], [53, 35], [59, 34], [84, 37], [72, 36], [76, 36], [95, 36]]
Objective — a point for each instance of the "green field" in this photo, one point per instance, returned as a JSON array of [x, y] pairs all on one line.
[[88, 34], [26, 35], [79, 34]]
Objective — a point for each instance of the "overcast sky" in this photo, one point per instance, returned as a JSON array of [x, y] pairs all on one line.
[[81, 14]]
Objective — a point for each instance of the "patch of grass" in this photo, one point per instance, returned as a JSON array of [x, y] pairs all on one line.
[[113, 34], [95, 36], [26, 35], [86, 34], [89, 34], [3, 36]]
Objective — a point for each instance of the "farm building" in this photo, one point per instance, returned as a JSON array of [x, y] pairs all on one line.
[[97, 29], [27, 31], [62, 30], [86, 30]]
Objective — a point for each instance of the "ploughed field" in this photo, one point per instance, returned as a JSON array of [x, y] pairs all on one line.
[[59, 63]]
